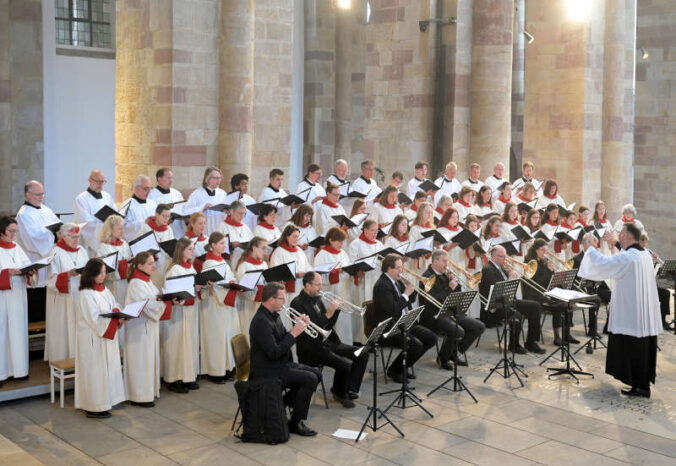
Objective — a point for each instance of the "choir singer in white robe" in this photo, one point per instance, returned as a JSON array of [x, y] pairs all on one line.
[[13, 304], [634, 318], [98, 372], [163, 193], [87, 203], [206, 196], [138, 207]]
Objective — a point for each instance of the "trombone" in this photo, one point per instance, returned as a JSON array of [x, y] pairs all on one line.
[[559, 264], [411, 277], [529, 270], [312, 330], [343, 304], [469, 281]]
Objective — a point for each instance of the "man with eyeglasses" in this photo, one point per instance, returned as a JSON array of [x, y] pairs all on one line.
[[163, 193], [138, 208], [87, 203], [37, 241]]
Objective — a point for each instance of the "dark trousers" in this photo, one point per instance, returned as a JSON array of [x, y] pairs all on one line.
[[559, 314], [349, 368], [420, 340], [665, 296], [302, 382], [465, 331], [37, 302], [523, 308]]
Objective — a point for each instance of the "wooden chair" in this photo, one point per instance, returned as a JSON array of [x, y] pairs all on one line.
[[62, 370]]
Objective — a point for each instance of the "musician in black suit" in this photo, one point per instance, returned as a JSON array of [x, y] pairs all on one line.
[[271, 356], [330, 352], [600, 289], [494, 272], [391, 298], [463, 328]]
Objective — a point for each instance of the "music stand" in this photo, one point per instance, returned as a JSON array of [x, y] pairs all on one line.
[[501, 298], [667, 269], [455, 304], [371, 346], [594, 336], [402, 326], [563, 279]]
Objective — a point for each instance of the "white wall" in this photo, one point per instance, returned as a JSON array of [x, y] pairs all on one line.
[[79, 119]]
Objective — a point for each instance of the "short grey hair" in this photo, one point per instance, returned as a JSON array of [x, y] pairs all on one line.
[[452, 164], [139, 179], [367, 163], [237, 205], [445, 199], [438, 252], [340, 162], [66, 227], [629, 208]]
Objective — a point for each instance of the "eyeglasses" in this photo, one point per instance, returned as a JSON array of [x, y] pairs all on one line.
[[148, 189], [98, 181], [9, 232], [37, 194]]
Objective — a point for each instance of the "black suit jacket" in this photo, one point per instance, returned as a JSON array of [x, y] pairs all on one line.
[[308, 348], [440, 292], [489, 277], [542, 277], [387, 303], [270, 345]]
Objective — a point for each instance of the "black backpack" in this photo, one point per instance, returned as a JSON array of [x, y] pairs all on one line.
[[263, 413]]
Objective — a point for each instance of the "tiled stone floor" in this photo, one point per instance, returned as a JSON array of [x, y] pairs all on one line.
[[546, 422]]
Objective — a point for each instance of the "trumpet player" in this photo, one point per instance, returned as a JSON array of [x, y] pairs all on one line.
[[463, 328], [331, 351], [271, 356]]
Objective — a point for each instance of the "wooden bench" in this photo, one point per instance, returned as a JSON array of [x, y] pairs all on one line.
[[62, 370]]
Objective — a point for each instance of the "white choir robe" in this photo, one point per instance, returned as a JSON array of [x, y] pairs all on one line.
[[499, 204], [420, 264], [315, 190], [446, 187], [413, 186], [634, 303], [480, 211], [344, 324], [519, 182], [199, 198], [346, 202], [307, 234], [494, 182], [475, 308], [620, 223], [364, 290], [549, 229], [116, 281], [13, 313], [179, 336], [36, 240], [249, 302], [62, 303], [174, 195], [200, 249], [250, 219], [324, 217], [456, 254], [162, 257], [368, 187], [220, 323], [237, 234], [544, 201], [475, 185], [98, 373], [392, 242], [606, 248], [269, 233], [281, 256], [283, 211], [411, 213], [86, 205], [142, 342], [136, 216], [463, 210], [384, 215]]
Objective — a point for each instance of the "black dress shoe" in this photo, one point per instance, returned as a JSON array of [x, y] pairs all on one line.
[[301, 429], [517, 350], [535, 348], [178, 387], [192, 385], [633, 391], [447, 365], [353, 395], [98, 414], [558, 342], [345, 401], [143, 404], [217, 379], [462, 362], [410, 375], [397, 377], [573, 340], [25, 377]]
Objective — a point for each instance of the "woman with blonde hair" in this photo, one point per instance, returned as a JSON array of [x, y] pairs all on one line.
[[111, 239], [206, 196], [253, 258], [196, 233]]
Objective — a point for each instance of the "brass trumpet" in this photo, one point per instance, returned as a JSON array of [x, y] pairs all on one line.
[[559, 264], [312, 330], [343, 304]]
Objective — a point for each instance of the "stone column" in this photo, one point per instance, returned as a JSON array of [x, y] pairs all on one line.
[[491, 82], [518, 88], [343, 98], [617, 148]]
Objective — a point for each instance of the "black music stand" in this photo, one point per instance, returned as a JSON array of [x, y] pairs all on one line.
[[594, 336], [563, 279], [371, 346], [565, 347], [402, 326], [455, 304], [500, 299], [667, 270]]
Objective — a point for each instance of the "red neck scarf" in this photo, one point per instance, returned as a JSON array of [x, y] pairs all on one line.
[[231, 222], [9, 245], [305, 225], [494, 235], [389, 206], [428, 225], [187, 264], [414, 208], [286, 247], [213, 257], [513, 222], [366, 240], [565, 225], [523, 198], [584, 224], [552, 223], [62, 244], [253, 261], [461, 202], [503, 200], [624, 220], [455, 228], [331, 250], [401, 238], [329, 203], [116, 242], [152, 224], [98, 287], [192, 234], [439, 211], [266, 225], [550, 197], [140, 275]]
